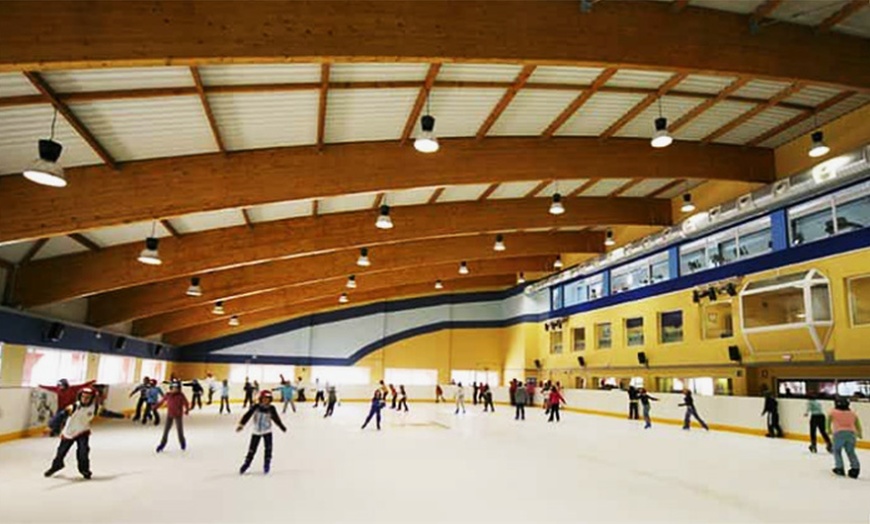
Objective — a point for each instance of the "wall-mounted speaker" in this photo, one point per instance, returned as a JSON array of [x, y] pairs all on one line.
[[158, 348], [641, 358], [120, 343], [581, 361], [734, 354], [55, 332], [537, 364]]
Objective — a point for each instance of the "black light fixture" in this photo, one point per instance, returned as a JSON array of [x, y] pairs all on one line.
[[351, 282], [522, 278], [818, 147], [463, 268], [45, 170], [218, 308], [342, 299], [194, 290], [687, 206], [234, 321], [661, 138], [608, 238], [499, 243], [150, 255], [439, 284], [384, 221], [363, 260], [556, 207], [426, 142], [558, 263]]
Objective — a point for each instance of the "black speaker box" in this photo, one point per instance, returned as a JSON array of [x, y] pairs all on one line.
[[537, 363], [55, 332], [120, 343], [641, 358], [581, 361], [734, 354]]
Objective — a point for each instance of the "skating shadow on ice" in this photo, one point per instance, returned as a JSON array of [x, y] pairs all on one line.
[[74, 480], [255, 473]]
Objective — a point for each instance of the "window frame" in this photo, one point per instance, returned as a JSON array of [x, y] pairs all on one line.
[[661, 316], [628, 343], [598, 327]]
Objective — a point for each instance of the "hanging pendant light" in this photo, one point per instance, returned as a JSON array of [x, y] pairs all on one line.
[[687, 206], [150, 255], [661, 137], [194, 290], [218, 308], [521, 279], [45, 170], [439, 284], [499, 243], [234, 321], [608, 238], [556, 207], [363, 260], [351, 282], [463, 268], [343, 299], [426, 142], [818, 147], [384, 221], [558, 263]]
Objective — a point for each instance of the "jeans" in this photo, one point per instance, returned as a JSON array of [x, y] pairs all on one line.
[[141, 403], [554, 410], [632, 410], [330, 407], [255, 443], [773, 427], [179, 426], [646, 419], [817, 422], [289, 400], [225, 401], [845, 440], [521, 412], [690, 412], [83, 451], [196, 400], [373, 413]]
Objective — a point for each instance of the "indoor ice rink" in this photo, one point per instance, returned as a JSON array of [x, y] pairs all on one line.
[[646, 221]]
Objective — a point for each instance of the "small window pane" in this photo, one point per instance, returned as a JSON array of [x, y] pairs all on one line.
[[756, 243], [555, 342], [853, 215], [671, 327], [579, 339], [557, 298], [718, 322], [155, 369], [692, 261], [820, 300], [596, 287], [859, 299], [603, 335], [47, 366], [411, 377], [812, 226], [116, 370], [773, 308], [468, 377], [634, 331], [661, 271], [342, 375]]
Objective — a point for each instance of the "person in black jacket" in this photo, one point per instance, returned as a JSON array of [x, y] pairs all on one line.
[[771, 409], [142, 389], [645, 398], [249, 393], [632, 403], [263, 413], [689, 403], [196, 393]]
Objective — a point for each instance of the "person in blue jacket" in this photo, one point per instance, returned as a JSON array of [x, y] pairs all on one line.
[[286, 388], [375, 411]]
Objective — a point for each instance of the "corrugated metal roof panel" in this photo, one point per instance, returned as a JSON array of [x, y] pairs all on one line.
[[808, 125], [483, 72], [15, 84], [514, 189], [710, 85], [365, 72], [605, 187], [858, 24], [341, 204], [196, 222], [355, 115], [137, 129], [712, 119], [565, 75], [599, 113], [672, 108], [249, 74], [531, 111], [21, 128], [460, 112], [462, 193], [14, 252], [118, 79], [127, 234], [757, 125], [59, 246], [638, 78], [281, 210], [742, 7], [812, 95], [410, 197], [646, 187], [807, 12], [258, 120], [565, 187], [761, 89]]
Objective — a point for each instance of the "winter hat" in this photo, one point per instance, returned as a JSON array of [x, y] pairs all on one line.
[[265, 394], [841, 403]]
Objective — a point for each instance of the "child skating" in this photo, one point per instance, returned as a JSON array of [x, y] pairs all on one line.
[[176, 407], [263, 413], [375, 410], [645, 398], [152, 397], [286, 388], [77, 430], [845, 425], [331, 399], [460, 398], [486, 395], [225, 397], [689, 403], [403, 399]]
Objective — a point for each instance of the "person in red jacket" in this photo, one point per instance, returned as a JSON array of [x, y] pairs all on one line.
[[556, 399], [66, 396], [176, 407]]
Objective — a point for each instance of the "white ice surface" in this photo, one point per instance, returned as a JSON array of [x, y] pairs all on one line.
[[432, 466]]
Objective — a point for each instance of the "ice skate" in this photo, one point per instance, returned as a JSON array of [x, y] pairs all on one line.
[[839, 472], [854, 472]]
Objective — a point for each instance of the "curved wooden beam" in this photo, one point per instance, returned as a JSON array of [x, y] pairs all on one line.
[[219, 328], [83, 274], [152, 299], [332, 288], [97, 197], [550, 32]]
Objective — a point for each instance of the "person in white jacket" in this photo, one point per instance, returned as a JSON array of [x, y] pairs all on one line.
[[77, 430], [460, 398]]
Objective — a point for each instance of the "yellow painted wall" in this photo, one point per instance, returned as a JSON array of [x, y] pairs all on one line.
[[12, 367]]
